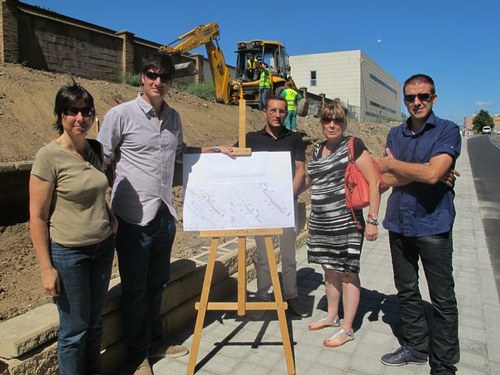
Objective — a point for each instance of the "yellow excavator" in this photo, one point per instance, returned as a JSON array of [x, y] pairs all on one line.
[[227, 90]]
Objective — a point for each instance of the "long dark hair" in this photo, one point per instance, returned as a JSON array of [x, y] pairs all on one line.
[[66, 97]]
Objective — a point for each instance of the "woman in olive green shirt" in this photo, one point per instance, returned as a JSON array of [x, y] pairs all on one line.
[[72, 230]]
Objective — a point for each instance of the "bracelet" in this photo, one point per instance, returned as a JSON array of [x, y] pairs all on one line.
[[371, 221]]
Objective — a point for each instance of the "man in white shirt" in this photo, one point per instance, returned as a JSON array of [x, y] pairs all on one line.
[[142, 138]]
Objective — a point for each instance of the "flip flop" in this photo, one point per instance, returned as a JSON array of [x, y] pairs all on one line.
[[339, 339], [324, 323]]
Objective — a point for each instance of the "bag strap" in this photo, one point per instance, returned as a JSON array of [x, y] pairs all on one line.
[[97, 148], [350, 150], [350, 158]]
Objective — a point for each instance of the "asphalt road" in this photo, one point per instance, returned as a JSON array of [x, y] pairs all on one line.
[[484, 155]]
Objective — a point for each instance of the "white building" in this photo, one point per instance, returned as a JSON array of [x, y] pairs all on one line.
[[368, 90]]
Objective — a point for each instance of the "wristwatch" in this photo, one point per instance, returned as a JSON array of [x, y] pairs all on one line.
[[216, 149]]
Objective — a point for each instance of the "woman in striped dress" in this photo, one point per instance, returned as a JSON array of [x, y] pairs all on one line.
[[334, 239]]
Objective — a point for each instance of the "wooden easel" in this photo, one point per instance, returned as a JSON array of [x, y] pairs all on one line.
[[241, 306]]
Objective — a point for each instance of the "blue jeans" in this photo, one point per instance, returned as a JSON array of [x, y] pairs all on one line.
[[264, 95], [439, 339], [144, 262], [84, 273]]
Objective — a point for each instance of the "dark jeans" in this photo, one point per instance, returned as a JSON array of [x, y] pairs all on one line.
[[144, 263], [264, 95], [440, 339], [84, 273]]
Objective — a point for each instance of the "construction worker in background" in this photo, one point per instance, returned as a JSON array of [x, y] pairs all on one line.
[[251, 70], [264, 85], [292, 97]]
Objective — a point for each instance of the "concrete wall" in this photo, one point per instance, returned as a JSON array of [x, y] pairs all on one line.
[[8, 31], [52, 44], [354, 78], [46, 40]]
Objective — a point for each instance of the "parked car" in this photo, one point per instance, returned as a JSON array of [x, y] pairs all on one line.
[[486, 130]]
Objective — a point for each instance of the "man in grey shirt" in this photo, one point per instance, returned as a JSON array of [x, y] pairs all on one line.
[[142, 138]]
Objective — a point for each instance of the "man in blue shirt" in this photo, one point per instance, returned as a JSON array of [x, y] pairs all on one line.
[[420, 215]]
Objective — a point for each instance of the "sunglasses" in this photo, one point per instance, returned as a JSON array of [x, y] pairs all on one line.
[[328, 120], [422, 97], [85, 111], [164, 77]]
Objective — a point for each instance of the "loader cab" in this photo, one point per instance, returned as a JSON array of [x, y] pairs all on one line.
[[271, 52]]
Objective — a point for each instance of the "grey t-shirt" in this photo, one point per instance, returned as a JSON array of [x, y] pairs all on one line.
[[143, 147]]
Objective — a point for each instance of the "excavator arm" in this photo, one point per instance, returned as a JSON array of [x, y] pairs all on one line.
[[205, 35], [195, 38]]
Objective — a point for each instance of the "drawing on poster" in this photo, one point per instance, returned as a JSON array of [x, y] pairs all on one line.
[[251, 192]]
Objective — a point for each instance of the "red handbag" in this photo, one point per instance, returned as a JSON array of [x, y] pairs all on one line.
[[357, 189]]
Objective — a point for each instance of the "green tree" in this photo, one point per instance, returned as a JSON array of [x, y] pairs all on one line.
[[481, 120]]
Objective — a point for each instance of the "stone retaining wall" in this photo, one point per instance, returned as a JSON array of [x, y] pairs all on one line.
[[42, 39]]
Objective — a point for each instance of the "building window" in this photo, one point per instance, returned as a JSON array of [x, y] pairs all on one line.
[[379, 81], [382, 107], [313, 78]]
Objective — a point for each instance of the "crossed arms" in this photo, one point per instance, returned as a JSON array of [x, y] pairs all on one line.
[[398, 173]]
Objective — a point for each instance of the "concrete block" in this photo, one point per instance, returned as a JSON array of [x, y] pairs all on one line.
[[43, 360], [25, 332]]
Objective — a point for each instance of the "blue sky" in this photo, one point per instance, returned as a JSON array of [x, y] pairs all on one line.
[[456, 42]]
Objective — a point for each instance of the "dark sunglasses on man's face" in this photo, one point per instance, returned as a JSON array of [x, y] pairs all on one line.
[[85, 111], [426, 97], [164, 77]]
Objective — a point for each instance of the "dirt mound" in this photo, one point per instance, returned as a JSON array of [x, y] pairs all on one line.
[[26, 117]]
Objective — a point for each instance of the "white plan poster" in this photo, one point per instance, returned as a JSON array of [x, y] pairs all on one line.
[[249, 192]]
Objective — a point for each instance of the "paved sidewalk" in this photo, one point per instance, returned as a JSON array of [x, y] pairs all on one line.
[[245, 346]]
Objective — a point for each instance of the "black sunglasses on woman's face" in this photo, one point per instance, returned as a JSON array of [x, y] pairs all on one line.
[[85, 111]]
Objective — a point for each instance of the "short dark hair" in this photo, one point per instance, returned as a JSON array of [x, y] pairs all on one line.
[[66, 97], [274, 97], [160, 61], [420, 78]]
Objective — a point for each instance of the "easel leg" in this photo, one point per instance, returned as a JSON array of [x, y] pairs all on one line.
[[202, 310], [285, 336], [242, 276]]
